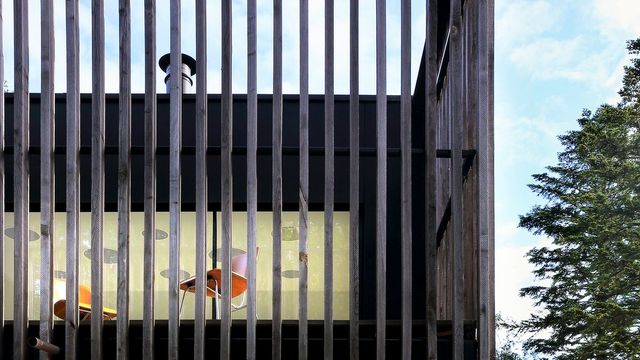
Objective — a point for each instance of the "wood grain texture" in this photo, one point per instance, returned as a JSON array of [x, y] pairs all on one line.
[[328, 176], [354, 183], [405, 190], [303, 190], [201, 179], [21, 177], [455, 73], [47, 173], [482, 181], [252, 174], [150, 143], [226, 132], [276, 181], [73, 178], [431, 119], [381, 177], [175, 127], [97, 174], [124, 181], [490, 28]]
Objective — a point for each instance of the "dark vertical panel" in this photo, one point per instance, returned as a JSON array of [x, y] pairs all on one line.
[[405, 144], [252, 173], [431, 114], [150, 101], [97, 173], [175, 126], [2, 296], [73, 178], [490, 29], [303, 193], [124, 181], [456, 224], [201, 178], [354, 183], [328, 179], [276, 323], [227, 179], [21, 176], [482, 209], [47, 174], [381, 177]]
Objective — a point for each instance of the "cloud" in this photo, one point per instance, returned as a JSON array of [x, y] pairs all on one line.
[[514, 22], [617, 18]]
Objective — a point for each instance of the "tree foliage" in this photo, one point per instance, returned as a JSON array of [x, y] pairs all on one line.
[[590, 297]]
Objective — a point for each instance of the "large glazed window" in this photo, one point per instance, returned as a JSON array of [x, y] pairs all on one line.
[[187, 262]]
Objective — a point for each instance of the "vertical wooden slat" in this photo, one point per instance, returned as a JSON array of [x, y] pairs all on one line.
[[124, 181], [303, 191], [175, 126], [226, 183], [201, 178], [2, 270], [328, 178], [97, 174], [276, 325], [381, 177], [354, 183], [150, 101], [482, 209], [490, 29], [21, 176], [73, 178], [431, 114], [455, 122], [252, 177], [405, 144], [47, 174]]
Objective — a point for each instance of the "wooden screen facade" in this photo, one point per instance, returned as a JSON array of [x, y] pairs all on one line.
[[414, 172]]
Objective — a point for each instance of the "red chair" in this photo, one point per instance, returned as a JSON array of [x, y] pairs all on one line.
[[215, 285]]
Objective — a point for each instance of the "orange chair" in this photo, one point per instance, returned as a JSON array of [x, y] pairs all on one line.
[[84, 306], [215, 285]]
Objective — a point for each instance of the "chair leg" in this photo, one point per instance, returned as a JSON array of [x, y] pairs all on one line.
[[182, 302], [217, 302]]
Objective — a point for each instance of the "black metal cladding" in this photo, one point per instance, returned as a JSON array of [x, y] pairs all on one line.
[[290, 169]]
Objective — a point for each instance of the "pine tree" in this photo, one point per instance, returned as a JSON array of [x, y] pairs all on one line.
[[590, 306]]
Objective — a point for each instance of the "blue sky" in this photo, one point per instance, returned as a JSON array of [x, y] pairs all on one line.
[[553, 58]]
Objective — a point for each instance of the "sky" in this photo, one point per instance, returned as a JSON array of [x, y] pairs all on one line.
[[553, 58]]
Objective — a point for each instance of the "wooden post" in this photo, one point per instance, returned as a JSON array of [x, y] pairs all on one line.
[[201, 179], [381, 177], [150, 104], [124, 181], [276, 323], [227, 179], [97, 174], [175, 137], [354, 183], [73, 178], [252, 177], [490, 29], [328, 178], [303, 192], [482, 179], [47, 173], [405, 144], [455, 123], [431, 114], [21, 177]]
